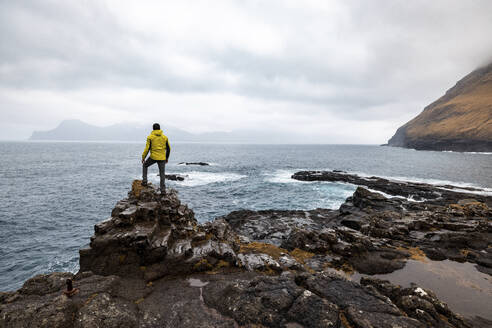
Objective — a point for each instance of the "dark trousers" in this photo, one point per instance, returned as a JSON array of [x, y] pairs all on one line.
[[162, 171]]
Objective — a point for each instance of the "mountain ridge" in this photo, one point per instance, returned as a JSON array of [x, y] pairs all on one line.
[[71, 130], [461, 120], [77, 130]]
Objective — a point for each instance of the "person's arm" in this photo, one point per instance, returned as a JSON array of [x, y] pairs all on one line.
[[168, 150], [146, 150]]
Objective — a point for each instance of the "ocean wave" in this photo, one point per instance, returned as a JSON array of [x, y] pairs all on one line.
[[484, 192], [322, 194], [284, 176], [65, 262], [200, 178], [281, 176], [410, 199]]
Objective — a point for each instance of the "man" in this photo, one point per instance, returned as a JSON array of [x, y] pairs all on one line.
[[158, 144]]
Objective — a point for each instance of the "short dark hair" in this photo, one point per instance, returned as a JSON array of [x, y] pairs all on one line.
[[156, 126]]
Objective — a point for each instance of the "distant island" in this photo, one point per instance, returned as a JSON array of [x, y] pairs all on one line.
[[76, 130], [461, 120]]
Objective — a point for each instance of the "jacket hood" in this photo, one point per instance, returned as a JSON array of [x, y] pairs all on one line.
[[157, 132]]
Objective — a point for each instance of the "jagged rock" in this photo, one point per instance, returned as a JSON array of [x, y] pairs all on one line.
[[41, 302], [262, 301], [194, 163], [266, 268], [443, 194], [310, 310], [150, 236], [378, 262], [174, 177], [375, 234], [262, 262], [111, 302], [275, 226], [223, 300], [418, 303], [309, 300]]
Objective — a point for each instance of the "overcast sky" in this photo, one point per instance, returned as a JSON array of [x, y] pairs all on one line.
[[328, 71]]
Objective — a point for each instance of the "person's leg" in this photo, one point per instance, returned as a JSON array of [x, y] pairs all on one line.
[[162, 173], [145, 165]]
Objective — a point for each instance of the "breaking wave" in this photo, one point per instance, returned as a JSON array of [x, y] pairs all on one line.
[[199, 178]]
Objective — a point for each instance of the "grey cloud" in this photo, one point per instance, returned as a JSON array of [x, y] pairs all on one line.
[[397, 52]]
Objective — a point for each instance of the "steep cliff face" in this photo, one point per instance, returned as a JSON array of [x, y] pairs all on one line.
[[461, 120]]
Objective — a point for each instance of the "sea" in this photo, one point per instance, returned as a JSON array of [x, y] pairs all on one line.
[[53, 193]]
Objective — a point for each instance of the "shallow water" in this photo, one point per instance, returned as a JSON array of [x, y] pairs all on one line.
[[465, 289], [52, 193]]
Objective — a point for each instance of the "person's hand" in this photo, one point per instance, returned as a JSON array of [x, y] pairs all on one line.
[[143, 160], [166, 161]]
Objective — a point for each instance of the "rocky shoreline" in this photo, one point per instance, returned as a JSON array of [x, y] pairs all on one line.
[[152, 265]]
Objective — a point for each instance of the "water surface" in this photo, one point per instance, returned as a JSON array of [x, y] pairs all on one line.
[[52, 193], [466, 290]]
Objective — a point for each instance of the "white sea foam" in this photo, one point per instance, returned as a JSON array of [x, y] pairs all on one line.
[[63, 262], [484, 192], [281, 176], [410, 199], [284, 176], [435, 182], [199, 178]]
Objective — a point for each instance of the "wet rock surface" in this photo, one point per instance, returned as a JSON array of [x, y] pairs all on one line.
[[150, 236], [432, 194], [152, 265], [375, 233], [175, 177], [194, 163]]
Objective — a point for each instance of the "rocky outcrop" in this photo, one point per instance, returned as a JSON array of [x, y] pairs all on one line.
[[194, 163], [379, 233], [152, 265], [461, 120], [174, 177], [431, 194], [221, 300], [149, 236], [319, 300], [413, 300]]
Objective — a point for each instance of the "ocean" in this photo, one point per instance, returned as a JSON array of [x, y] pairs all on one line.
[[52, 193]]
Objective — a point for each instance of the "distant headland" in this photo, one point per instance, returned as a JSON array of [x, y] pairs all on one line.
[[76, 130], [461, 120]]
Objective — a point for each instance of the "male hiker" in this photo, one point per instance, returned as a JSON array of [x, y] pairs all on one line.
[[158, 144]]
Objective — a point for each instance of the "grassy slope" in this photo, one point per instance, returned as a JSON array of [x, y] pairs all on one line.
[[465, 112]]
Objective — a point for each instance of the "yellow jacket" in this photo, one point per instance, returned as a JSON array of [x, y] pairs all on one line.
[[158, 144]]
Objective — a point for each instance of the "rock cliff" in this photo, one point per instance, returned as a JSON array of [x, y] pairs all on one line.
[[152, 265], [461, 120]]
